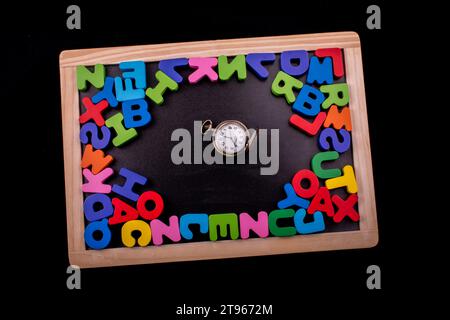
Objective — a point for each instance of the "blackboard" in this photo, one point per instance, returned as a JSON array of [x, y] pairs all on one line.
[[217, 188]]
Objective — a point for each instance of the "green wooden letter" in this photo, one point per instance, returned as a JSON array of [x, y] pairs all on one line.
[[316, 165], [96, 78], [227, 69], [165, 82], [284, 84], [281, 231], [122, 134], [222, 221], [336, 94]]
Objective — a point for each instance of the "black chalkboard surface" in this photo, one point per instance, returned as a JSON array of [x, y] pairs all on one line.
[[216, 188], [220, 188]]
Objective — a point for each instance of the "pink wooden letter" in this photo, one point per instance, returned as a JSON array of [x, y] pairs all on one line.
[[171, 231], [95, 181], [204, 67], [260, 226]]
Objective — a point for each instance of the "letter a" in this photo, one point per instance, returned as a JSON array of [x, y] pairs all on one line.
[[74, 20]]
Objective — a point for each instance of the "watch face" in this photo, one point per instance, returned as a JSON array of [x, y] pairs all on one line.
[[230, 137]]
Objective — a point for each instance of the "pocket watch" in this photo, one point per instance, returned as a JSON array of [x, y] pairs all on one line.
[[230, 137]]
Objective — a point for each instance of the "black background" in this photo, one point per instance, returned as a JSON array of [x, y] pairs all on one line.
[[38, 250]]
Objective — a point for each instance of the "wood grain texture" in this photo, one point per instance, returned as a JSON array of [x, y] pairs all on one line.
[[72, 159], [367, 236], [158, 52], [221, 249], [362, 156]]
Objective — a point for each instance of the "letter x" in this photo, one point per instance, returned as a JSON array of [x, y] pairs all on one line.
[[93, 111], [204, 68], [345, 208]]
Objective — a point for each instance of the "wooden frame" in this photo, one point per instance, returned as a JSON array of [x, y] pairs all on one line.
[[367, 236]]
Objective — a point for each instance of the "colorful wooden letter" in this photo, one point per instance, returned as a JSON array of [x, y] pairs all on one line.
[[127, 91], [260, 226], [135, 117], [337, 94], [308, 101], [320, 72], [168, 67], [277, 231], [157, 201], [193, 218], [165, 82], [345, 208], [336, 143], [96, 78], [310, 128], [284, 84], [160, 229], [347, 180], [91, 205], [316, 165], [131, 179], [227, 69], [322, 202], [338, 119], [123, 212], [204, 68], [122, 135], [292, 199], [98, 227], [311, 227], [95, 159], [93, 111], [134, 70], [92, 129], [107, 93], [312, 183], [95, 181], [136, 225], [336, 55], [294, 63], [255, 62], [222, 221]]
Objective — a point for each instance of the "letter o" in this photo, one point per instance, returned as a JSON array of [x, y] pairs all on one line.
[[150, 196], [100, 226], [313, 183]]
